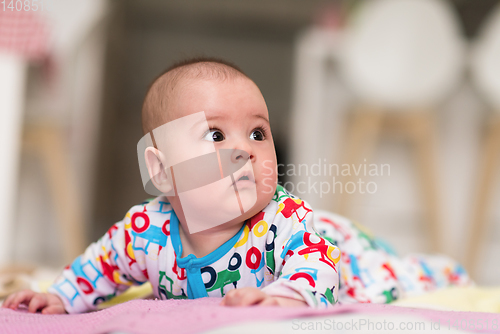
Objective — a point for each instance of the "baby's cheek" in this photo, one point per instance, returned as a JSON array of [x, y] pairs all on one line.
[[267, 195], [266, 187]]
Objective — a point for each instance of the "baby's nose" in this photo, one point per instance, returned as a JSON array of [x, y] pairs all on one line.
[[231, 160], [242, 150], [240, 155]]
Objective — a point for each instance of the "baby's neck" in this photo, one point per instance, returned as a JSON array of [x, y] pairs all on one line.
[[203, 243]]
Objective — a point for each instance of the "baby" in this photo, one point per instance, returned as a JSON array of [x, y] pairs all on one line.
[[222, 226]]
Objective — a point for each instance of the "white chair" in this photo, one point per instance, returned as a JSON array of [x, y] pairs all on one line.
[[12, 90], [485, 72], [78, 46], [38, 119], [400, 59]]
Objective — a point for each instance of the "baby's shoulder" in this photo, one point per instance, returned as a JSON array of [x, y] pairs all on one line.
[[287, 211], [153, 211], [290, 206], [281, 194]]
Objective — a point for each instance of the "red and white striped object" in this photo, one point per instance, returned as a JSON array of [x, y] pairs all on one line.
[[24, 33]]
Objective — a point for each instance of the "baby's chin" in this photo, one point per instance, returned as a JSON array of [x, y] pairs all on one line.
[[251, 201], [263, 201]]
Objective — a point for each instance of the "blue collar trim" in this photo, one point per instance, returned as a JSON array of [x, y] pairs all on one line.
[[191, 261]]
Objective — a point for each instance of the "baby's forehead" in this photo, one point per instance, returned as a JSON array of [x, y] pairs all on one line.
[[200, 94], [190, 83], [176, 86]]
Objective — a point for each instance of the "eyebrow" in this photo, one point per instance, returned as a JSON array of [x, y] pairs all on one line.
[[262, 117], [204, 120], [215, 117]]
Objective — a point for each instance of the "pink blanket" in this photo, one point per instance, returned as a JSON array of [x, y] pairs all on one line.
[[194, 316]]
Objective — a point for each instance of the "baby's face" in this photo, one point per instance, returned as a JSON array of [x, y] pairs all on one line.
[[238, 120]]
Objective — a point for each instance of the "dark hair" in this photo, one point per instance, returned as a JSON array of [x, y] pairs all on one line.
[[154, 108]]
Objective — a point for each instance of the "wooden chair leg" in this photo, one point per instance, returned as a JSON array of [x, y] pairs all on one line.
[[422, 126], [490, 161], [49, 143], [362, 138]]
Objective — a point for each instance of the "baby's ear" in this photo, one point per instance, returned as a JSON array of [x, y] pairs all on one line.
[[158, 174]]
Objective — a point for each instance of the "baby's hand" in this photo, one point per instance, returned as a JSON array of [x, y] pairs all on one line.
[[45, 302], [253, 296]]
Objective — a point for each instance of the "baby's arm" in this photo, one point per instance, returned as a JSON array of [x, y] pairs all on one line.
[[106, 268], [305, 266], [93, 276], [312, 279], [47, 303]]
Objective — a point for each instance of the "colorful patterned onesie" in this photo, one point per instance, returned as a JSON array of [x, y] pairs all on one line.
[[276, 250], [372, 273]]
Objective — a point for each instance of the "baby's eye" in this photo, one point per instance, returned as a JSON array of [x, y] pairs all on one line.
[[257, 135], [214, 135]]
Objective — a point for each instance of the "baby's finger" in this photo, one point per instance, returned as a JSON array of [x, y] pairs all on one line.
[[269, 302], [233, 297], [37, 302], [245, 297], [20, 297], [8, 300], [251, 299], [54, 309]]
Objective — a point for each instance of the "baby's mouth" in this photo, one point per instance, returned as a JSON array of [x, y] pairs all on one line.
[[244, 178]]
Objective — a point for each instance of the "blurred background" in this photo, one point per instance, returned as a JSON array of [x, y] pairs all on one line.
[[409, 84]]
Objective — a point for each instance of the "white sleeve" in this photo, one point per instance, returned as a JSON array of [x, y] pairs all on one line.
[[305, 263], [106, 268]]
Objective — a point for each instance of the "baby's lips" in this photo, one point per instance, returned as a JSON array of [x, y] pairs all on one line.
[[248, 174]]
